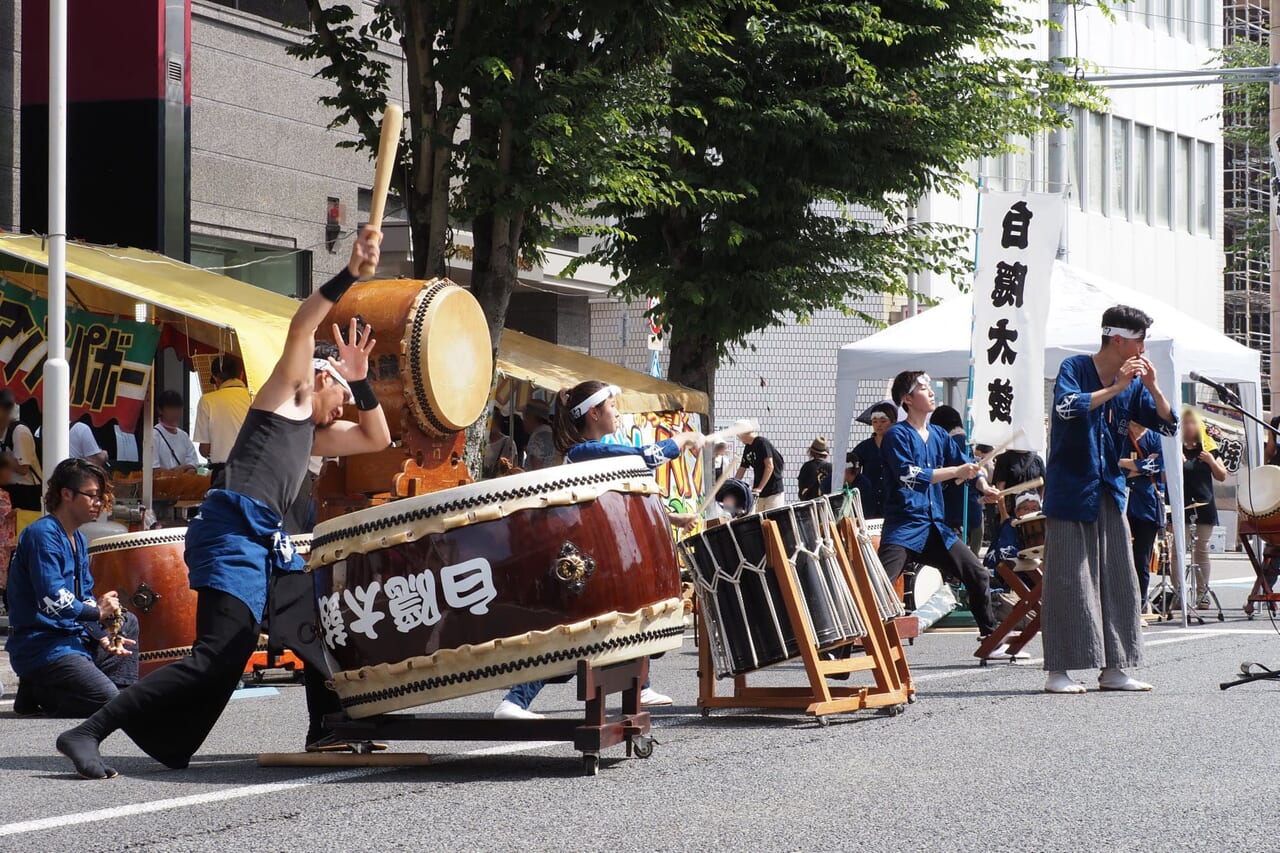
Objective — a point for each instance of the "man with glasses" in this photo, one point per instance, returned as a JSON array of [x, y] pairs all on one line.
[[62, 654]]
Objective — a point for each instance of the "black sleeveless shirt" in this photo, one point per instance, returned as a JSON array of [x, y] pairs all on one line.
[[269, 459]]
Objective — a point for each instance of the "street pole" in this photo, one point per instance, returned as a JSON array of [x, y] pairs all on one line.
[[1273, 92], [1058, 141], [56, 402]]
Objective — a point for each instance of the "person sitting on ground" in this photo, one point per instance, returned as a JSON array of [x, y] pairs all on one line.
[[815, 474], [66, 662], [584, 416], [171, 448]]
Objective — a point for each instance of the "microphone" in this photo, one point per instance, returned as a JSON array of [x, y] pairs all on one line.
[[1226, 393]]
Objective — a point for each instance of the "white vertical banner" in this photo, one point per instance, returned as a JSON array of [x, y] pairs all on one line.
[[1017, 243]]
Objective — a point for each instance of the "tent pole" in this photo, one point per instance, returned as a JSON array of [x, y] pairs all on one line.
[[148, 439], [56, 405]]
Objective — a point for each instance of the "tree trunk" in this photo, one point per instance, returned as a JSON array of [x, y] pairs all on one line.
[[693, 364]]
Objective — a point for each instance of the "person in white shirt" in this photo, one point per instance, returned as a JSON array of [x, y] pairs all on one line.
[[220, 414], [25, 490], [83, 445], [171, 448]]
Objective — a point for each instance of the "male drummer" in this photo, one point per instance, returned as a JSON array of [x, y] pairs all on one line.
[[918, 458], [66, 664], [1005, 547], [239, 558], [1090, 603]]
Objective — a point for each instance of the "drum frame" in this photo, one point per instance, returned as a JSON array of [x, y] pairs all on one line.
[[884, 657]]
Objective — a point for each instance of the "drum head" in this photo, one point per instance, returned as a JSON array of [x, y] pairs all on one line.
[[1032, 553], [449, 358], [1259, 490], [928, 581]]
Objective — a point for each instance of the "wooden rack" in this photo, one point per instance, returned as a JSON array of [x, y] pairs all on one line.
[[1028, 605]]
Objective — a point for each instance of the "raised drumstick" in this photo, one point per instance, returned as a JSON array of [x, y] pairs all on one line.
[[388, 145], [990, 458]]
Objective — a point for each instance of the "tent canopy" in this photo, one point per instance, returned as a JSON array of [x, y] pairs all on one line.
[[937, 341], [238, 317]]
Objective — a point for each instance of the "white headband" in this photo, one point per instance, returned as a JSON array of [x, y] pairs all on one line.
[[594, 400], [1026, 497], [323, 365], [1131, 334]]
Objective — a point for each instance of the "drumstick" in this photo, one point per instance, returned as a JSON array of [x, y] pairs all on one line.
[[1017, 433], [388, 146], [725, 434], [1022, 487], [706, 502]]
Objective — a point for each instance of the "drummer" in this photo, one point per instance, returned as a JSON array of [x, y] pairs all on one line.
[[1005, 547], [584, 416], [240, 561]]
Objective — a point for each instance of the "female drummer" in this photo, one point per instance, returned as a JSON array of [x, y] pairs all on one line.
[[585, 415], [1201, 465]]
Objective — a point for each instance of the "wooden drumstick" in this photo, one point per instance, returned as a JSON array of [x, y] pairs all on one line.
[[990, 458], [706, 502], [726, 434], [388, 146], [1022, 487]]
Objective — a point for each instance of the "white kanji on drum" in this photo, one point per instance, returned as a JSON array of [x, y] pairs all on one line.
[[412, 601], [469, 584], [335, 632], [360, 602]]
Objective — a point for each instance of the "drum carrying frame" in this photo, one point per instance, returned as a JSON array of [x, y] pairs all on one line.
[[883, 658], [594, 731], [1006, 632]]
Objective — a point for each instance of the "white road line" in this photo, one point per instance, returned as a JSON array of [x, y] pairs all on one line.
[[152, 806]]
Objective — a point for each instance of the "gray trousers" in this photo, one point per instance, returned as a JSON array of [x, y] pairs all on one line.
[[1089, 609]]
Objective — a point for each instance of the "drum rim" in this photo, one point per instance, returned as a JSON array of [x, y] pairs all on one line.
[[413, 345], [460, 499], [138, 539], [1026, 519]]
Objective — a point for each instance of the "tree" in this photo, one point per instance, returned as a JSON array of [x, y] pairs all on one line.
[[809, 110]]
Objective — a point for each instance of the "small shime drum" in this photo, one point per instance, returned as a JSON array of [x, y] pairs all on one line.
[[1030, 532], [148, 572], [496, 583], [746, 613], [433, 355], [1258, 492]]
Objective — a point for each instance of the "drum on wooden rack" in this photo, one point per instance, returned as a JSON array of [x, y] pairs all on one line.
[[1030, 532], [496, 583], [1258, 493], [148, 572], [746, 614], [868, 530], [433, 355]]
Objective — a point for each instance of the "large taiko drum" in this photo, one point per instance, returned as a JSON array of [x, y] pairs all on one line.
[[433, 355], [1258, 493], [496, 583], [749, 626], [148, 572]]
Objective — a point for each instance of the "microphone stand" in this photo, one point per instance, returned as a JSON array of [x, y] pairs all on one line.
[[1249, 671]]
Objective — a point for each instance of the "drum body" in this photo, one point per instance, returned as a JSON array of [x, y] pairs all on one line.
[[746, 613], [148, 572], [494, 584], [1030, 532], [433, 356], [1258, 492]]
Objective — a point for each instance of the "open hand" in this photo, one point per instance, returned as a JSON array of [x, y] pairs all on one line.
[[353, 353]]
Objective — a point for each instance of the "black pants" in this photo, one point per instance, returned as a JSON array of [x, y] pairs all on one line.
[[75, 686], [169, 713], [1144, 539], [954, 562]]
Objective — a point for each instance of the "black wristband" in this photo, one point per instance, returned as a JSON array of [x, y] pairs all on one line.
[[338, 285], [362, 391]]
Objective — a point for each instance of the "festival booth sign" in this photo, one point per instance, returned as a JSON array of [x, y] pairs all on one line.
[[938, 341], [651, 409]]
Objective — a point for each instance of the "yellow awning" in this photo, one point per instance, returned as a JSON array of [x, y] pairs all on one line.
[[214, 309], [554, 367]]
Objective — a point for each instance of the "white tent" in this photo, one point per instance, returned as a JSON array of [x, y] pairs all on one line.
[[937, 341]]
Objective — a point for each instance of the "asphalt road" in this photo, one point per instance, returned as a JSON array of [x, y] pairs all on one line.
[[982, 761]]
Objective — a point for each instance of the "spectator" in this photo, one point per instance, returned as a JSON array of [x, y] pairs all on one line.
[[8, 534], [540, 450], [171, 448], [220, 414], [815, 474], [65, 662], [883, 416], [765, 463], [501, 446], [1012, 468], [17, 438], [82, 444]]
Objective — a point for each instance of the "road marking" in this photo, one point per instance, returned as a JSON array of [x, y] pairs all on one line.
[[75, 819]]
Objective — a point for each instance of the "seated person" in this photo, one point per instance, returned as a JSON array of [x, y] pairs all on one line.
[[734, 498], [1004, 548], [66, 663], [172, 449]]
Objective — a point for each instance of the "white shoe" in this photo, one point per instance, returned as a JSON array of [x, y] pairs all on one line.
[[508, 710], [649, 696], [1117, 679]]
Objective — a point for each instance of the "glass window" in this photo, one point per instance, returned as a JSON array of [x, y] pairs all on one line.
[[1204, 18], [993, 172], [1096, 140], [1119, 167], [1163, 169], [283, 271], [1160, 15], [1181, 16], [1141, 172], [1205, 170], [1184, 169]]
